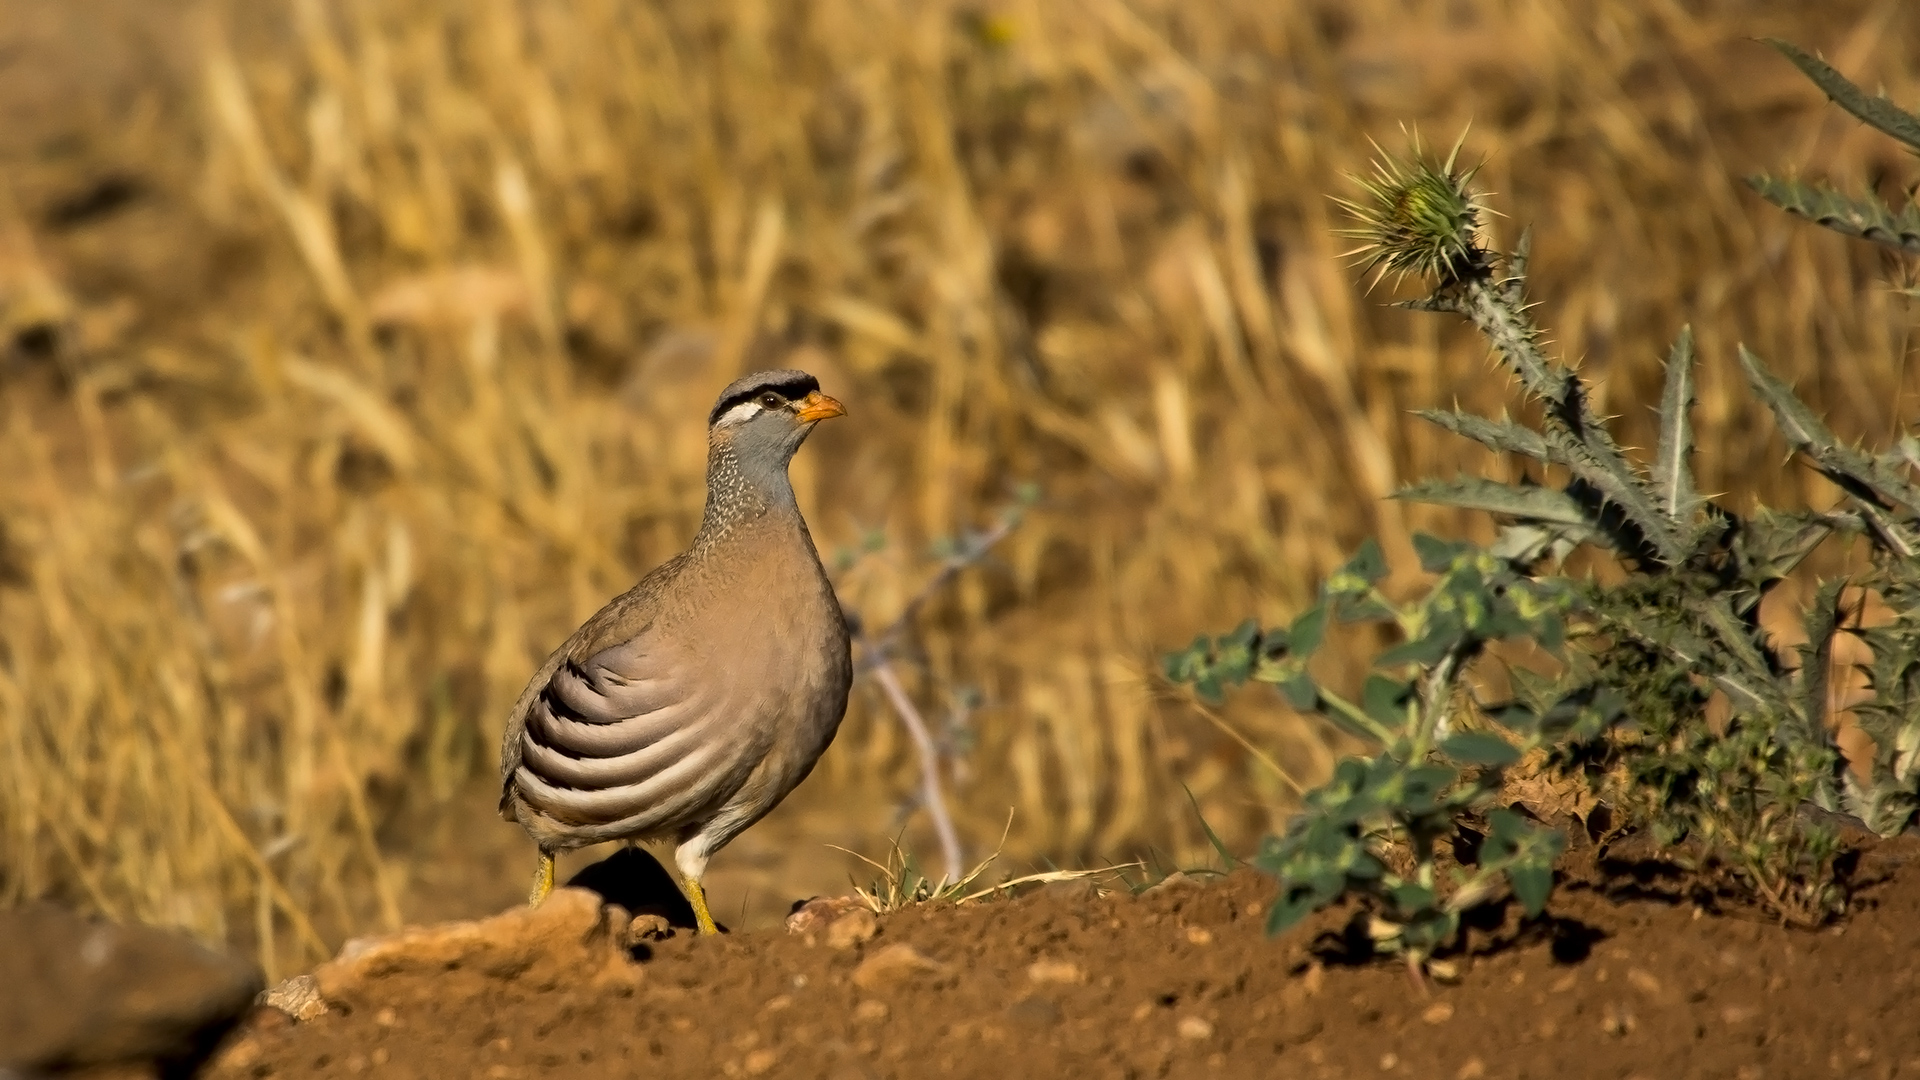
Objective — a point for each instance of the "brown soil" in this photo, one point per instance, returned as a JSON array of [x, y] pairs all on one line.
[[1181, 981]]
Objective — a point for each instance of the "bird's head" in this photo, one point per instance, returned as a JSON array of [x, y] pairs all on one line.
[[764, 417]]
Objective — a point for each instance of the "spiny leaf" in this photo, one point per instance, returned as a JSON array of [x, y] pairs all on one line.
[[1770, 544], [1798, 424], [1672, 475], [1876, 484], [1865, 217], [1874, 110], [1494, 497], [1686, 646], [1822, 622], [1503, 435], [1589, 451]]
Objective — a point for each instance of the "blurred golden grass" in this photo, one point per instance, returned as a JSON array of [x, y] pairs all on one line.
[[274, 581]]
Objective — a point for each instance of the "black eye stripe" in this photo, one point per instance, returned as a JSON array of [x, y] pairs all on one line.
[[792, 386]]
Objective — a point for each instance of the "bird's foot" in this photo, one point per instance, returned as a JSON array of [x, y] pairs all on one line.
[[698, 897], [542, 880]]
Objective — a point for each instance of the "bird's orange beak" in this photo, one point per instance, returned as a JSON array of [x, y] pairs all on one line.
[[818, 406]]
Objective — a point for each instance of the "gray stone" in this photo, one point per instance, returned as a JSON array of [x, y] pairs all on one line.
[[76, 991]]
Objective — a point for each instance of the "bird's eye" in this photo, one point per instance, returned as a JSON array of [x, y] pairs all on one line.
[[771, 400]]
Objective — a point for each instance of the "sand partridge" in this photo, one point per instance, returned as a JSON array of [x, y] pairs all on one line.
[[691, 704]]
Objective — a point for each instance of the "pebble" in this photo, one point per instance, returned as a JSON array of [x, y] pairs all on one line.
[[647, 928], [1034, 1010], [1063, 972], [852, 928], [895, 964], [819, 912], [1194, 1028], [298, 997]]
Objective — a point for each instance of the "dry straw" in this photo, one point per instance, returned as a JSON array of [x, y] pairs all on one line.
[[271, 585]]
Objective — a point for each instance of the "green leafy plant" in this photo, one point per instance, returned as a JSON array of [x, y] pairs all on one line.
[[1628, 710], [1432, 768]]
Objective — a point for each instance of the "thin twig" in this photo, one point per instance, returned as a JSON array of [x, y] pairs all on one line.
[[930, 796], [949, 569], [875, 660]]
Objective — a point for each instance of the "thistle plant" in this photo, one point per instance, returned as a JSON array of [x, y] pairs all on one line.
[[1641, 660]]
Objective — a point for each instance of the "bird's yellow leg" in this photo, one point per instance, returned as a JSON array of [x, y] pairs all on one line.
[[698, 897], [542, 880]]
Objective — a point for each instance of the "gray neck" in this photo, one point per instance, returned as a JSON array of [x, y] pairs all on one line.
[[742, 492]]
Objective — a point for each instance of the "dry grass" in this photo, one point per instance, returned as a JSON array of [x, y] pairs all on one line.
[[276, 573]]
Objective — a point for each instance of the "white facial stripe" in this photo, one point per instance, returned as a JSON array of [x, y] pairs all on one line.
[[740, 413]]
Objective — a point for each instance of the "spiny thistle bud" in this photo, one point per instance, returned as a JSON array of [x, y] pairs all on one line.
[[1419, 218]]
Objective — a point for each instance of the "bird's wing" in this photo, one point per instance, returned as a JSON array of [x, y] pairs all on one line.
[[630, 726], [624, 618], [635, 734]]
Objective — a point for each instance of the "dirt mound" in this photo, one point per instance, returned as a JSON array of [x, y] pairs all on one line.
[[78, 992], [1180, 981]]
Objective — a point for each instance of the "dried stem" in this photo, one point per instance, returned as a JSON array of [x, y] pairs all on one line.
[[930, 794], [875, 660]]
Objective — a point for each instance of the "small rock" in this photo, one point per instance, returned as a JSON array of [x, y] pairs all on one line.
[[572, 937], [852, 928], [647, 928], [1474, 1069], [1389, 1061], [1314, 979], [896, 963], [1194, 1028], [1618, 1021], [870, 1010], [816, 914], [1199, 935], [778, 1002], [1438, 1013], [78, 991], [759, 1062], [1062, 972], [1037, 1011], [298, 997]]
